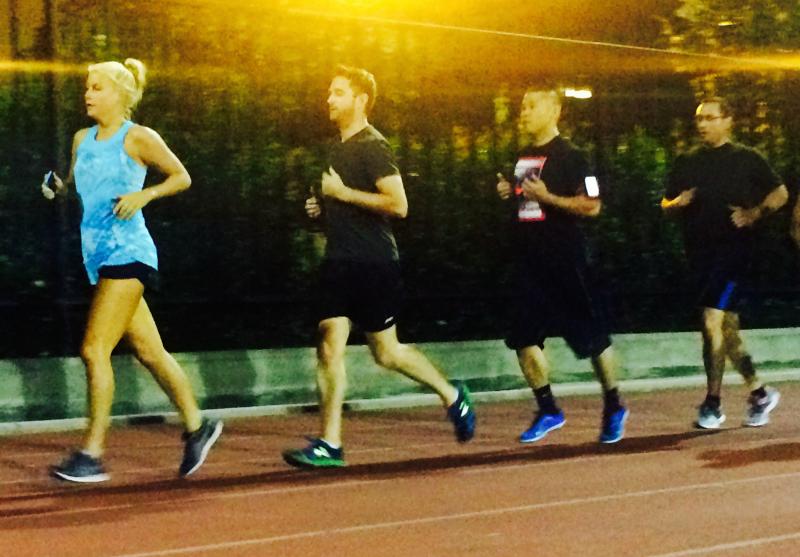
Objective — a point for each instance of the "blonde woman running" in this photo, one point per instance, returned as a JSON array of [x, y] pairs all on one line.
[[109, 163]]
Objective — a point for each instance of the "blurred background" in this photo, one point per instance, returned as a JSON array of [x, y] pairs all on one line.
[[238, 89]]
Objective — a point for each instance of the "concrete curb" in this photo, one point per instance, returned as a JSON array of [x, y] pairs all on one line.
[[394, 402]]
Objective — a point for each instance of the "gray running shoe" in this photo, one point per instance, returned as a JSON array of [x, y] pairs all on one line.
[[79, 467], [758, 409], [198, 444], [709, 418]]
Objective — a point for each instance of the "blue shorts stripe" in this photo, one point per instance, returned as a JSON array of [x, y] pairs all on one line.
[[725, 297]]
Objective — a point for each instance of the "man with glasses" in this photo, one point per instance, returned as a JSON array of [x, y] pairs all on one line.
[[720, 192]]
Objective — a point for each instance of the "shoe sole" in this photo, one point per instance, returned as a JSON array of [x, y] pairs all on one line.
[[206, 449], [767, 411], [622, 433], [96, 478], [721, 421], [543, 435], [466, 439]]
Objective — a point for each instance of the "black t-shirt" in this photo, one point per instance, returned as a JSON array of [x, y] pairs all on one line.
[[545, 231], [729, 175], [353, 233]]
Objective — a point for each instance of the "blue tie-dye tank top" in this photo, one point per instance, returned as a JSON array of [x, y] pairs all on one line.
[[103, 172]]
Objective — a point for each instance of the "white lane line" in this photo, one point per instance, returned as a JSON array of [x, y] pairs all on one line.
[[189, 500], [459, 516], [744, 544], [155, 472], [58, 450], [231, 442], [608, 452]]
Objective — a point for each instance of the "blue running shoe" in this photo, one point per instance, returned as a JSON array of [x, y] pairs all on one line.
[[462, 414], [614, 425], [541, 426], [318, 454]]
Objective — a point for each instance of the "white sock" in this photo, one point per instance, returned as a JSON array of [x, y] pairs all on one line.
[[331, 445]]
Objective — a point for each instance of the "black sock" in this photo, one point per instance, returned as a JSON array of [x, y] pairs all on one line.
[[611, 401], [760, 392], [712, 402], [546, 400]]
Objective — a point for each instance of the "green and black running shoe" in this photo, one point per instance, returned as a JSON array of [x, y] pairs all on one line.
[[462, 414], [318, 454]]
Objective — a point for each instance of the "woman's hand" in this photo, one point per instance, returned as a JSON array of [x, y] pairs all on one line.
[[58, 185], [129, 204]]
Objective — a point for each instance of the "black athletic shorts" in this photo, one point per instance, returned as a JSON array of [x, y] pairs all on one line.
[[558, 300], [369, 294], [720, 276], [136, 270]]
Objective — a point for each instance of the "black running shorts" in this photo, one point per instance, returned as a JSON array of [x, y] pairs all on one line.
[[558, 300], [136, 270], [369, 294], [720, 275]]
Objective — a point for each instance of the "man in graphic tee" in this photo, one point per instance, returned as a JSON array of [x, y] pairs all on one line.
[[553, 292], [720, 192], [528, 168]]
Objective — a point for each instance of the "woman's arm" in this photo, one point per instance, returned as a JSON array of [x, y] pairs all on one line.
[[147, 148]]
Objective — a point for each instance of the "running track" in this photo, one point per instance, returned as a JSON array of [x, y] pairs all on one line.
[[410, 490]]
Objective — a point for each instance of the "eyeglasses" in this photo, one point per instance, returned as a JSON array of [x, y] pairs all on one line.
[[707, 117]]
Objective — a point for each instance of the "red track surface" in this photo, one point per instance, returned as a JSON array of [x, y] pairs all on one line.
[[410, 490]]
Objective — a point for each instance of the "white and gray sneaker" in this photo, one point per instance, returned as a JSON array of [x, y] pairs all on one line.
[[709, 418], [80, 467], [758, 409]]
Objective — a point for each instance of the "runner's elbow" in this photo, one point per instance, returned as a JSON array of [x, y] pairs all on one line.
[[782, 197], [400, 209], [593, 209], [186, 181]]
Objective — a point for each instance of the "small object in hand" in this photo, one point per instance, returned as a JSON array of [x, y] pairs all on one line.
[[47, 184]]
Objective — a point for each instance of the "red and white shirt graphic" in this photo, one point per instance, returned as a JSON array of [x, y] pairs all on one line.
[[528, 168]]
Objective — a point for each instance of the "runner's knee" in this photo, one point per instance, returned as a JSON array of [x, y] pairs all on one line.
[[93, 352], [388, 356]]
